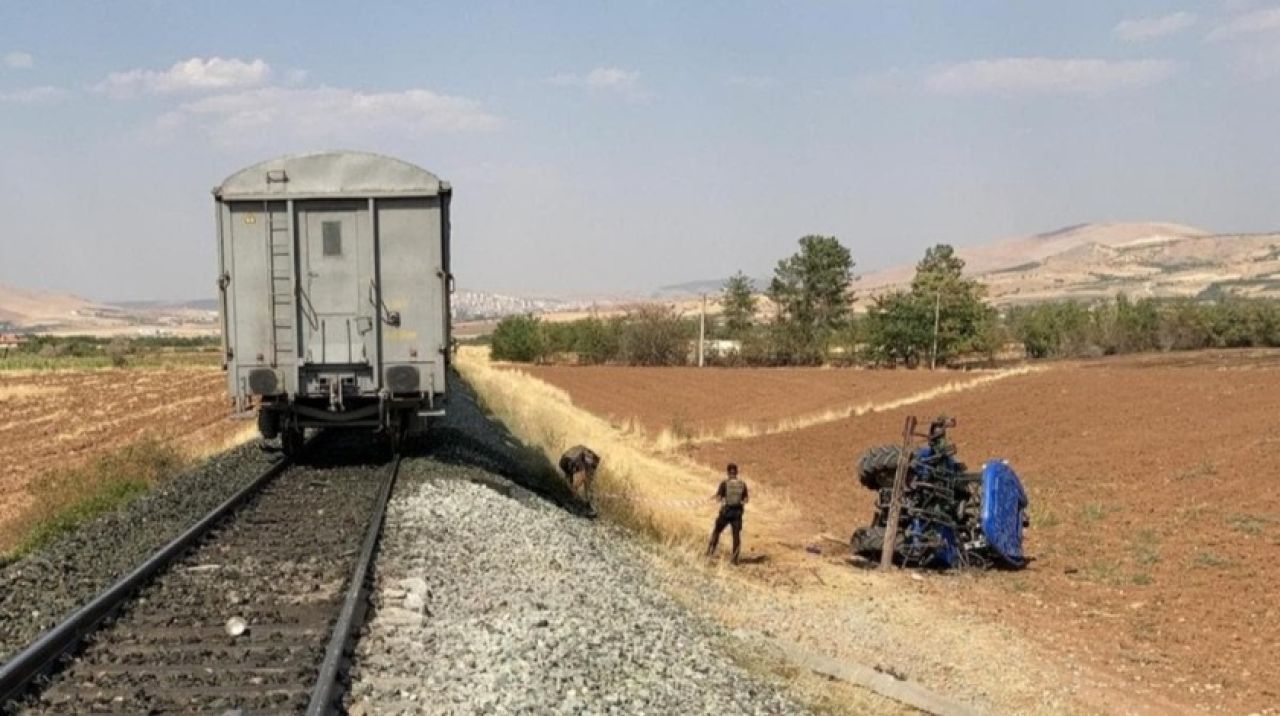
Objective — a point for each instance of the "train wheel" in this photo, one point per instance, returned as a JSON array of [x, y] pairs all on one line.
[[291, 441], [398, 429], [268, 423]]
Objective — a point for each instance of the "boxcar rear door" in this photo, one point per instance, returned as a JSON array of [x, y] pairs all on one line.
[[337, 256]]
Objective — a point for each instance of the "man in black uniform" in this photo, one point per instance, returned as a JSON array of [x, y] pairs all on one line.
[[732, 495], [579, 465]]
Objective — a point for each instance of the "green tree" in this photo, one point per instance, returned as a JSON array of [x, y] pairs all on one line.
[[739, 305], [810, 289], [901, 325], [519, 339], [899, 328], [939, 269]]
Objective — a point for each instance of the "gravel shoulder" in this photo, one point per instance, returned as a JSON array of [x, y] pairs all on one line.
[[488, 604]]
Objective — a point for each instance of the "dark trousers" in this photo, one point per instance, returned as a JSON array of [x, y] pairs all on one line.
[[729, 517]]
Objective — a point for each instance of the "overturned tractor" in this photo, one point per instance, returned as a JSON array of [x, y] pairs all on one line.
[[946, 516]]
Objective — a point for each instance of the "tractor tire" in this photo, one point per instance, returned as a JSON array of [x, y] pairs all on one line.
[[878, 466], [868, 542]]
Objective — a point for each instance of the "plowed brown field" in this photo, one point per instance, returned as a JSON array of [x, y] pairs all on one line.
[[57, 419], [1155, 503], [693, 401]]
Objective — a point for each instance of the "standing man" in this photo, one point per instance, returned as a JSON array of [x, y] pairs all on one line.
[[579, 465], [732, 495]]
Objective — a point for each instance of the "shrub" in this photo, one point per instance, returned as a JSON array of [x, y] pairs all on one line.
[[118, 350], [654, 336], [598, 341], [519, 339]]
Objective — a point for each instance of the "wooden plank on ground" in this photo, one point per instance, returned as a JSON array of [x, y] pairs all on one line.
[[900, 690]]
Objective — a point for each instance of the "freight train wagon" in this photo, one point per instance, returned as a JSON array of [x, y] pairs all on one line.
[[334, 284]]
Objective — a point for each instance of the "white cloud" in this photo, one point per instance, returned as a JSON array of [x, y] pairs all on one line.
[[194, 74], [1150, 28], [1043, 75], [611, 79], [1249, 24], [34, 95], [19, 60], [328, 113]]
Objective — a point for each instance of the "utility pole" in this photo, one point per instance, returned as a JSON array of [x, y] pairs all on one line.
[[702, 330], [937, 315]]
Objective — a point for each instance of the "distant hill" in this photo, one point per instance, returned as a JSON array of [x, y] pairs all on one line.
[[689, 289], [1086, 261], [28, 308], [1205, 266], [1089, 261], [1018, 251]]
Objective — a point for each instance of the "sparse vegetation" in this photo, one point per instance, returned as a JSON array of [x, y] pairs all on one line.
[[1042, 515], [1204, 469], [1211, 560], [42, 352], [1095, 512], [1252, 525], [1146, 548], [1103, 572], [66, 498]]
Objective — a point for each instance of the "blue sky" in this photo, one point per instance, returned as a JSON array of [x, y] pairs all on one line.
[[598, 147]]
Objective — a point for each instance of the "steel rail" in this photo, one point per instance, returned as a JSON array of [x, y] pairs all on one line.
[[328, 689], [18, 674]]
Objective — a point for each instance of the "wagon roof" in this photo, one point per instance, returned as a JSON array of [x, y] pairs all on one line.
[[330, 174]]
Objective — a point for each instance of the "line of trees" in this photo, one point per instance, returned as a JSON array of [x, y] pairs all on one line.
[[942, 315], [649, 335], [1067, 329]]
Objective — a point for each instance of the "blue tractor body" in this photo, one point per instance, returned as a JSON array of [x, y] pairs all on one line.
[[949, 517], [1004, 505]]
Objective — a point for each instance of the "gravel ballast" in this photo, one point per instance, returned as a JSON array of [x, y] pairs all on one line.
[[240, 623], [41, 588], [488, 604]]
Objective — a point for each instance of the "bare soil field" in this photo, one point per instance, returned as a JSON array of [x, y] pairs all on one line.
[[58, 419], [697, 403], [1156, 514]]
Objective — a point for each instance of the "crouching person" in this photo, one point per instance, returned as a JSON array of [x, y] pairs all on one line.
[[579, 465], [733, 496]]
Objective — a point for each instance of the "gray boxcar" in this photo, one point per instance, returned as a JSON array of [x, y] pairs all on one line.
[[334, 290]]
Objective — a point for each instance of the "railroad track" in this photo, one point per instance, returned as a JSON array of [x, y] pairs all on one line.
[[249, 611]]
